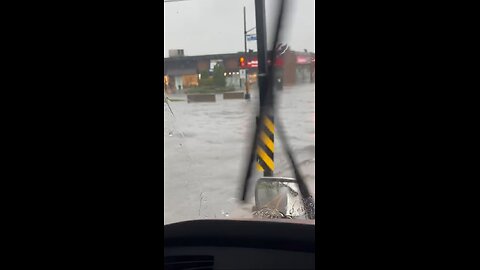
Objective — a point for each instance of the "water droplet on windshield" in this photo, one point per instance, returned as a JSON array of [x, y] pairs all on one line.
[[170, 133]]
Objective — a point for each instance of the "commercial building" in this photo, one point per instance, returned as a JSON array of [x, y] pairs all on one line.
[[183, 72]]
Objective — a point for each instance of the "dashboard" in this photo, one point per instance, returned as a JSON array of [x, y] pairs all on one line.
[[240, 244]]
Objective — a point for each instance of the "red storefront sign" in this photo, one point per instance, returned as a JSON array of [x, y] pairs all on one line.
[[253, 63], [303, 59]]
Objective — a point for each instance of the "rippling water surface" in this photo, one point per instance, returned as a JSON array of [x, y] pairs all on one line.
[[206, 148]]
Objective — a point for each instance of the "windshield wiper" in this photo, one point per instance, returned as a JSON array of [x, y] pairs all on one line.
[[266, 108]]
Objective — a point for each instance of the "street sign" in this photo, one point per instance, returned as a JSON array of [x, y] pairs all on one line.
[[251, 37], [243, 74]]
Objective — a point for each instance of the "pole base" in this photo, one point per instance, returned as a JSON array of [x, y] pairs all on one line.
[[247, 95]]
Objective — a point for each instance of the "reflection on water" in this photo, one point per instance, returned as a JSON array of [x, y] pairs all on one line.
[[206, 147]]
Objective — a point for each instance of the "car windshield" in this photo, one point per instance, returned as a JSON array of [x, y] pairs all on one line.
[[211, 101]]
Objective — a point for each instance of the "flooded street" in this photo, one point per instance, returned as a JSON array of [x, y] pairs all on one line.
[[206, 147]]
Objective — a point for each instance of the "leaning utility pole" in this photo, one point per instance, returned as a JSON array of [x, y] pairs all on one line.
[[265, 147]]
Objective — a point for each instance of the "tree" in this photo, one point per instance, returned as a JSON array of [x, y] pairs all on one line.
[[218, 76], [205, 79], [217, 80]]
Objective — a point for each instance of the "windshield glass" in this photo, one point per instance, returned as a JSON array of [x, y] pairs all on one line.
[[212, 101]]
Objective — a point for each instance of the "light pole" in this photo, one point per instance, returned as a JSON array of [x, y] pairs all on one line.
[[247, 94]]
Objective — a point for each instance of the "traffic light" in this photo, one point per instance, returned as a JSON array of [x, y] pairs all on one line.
[[242, 61]]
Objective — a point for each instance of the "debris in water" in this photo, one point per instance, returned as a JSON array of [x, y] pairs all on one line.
[[225, 213], [269, 213]]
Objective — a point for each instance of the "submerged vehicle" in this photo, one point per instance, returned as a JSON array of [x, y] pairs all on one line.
[[278, 230]]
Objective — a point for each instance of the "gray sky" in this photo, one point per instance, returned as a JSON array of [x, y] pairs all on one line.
[[216, 26]]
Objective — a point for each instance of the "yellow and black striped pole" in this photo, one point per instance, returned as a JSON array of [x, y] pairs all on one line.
[[266, 147], [265, 127]]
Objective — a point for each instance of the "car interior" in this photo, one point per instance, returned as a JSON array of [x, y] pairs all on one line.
[[240, 244]]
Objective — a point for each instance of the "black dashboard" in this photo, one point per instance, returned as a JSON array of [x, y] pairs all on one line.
[[240, 244]]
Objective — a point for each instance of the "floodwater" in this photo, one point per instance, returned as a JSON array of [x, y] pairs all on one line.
[[206, 148]]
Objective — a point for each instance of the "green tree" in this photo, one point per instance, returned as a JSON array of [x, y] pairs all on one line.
[[205, 79], [218, 76]]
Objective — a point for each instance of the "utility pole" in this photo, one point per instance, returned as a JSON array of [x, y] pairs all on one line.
[[261, 48], [247, 94], [265, 148], [245, 29]]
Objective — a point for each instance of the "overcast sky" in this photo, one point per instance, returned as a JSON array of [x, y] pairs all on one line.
[[216, 26]]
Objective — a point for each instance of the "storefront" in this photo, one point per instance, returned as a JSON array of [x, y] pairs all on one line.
[[181, 79], [189, 81], [165, 81], [183, 72], [233, 80], [251, 67], [303, 69]]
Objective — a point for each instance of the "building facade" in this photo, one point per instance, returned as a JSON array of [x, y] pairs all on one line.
[[184, 72]]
